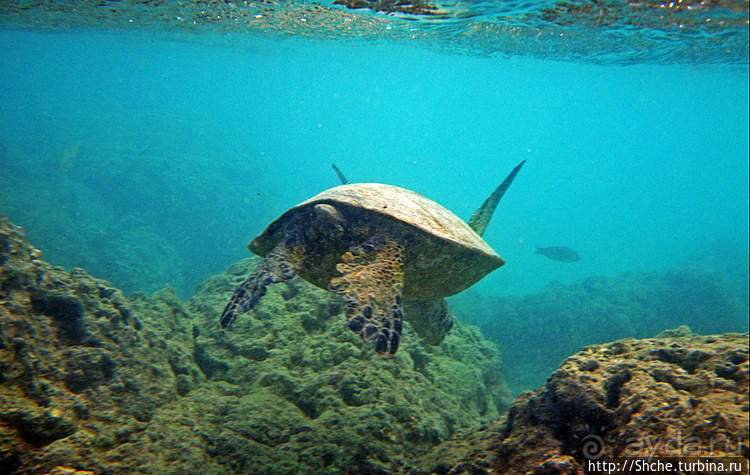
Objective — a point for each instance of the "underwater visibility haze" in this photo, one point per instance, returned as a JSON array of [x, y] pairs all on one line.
[[148, 143], [153, 162]]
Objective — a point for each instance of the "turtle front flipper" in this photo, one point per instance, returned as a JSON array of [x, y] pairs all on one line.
[[279, 265], [482, 216], [371, 282]]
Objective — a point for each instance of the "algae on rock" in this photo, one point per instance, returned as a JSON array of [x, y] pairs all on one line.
[[672, 396], [296, 347], [81, 372]]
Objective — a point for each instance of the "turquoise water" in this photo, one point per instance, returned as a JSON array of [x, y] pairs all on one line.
[[149, 142], [151, 161], [151, 156]]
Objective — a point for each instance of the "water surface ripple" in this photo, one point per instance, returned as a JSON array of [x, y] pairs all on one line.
[[599, 31]]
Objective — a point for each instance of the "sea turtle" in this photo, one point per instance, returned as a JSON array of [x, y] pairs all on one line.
[[387, 251]]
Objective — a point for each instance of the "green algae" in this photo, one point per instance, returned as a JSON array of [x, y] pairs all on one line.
[[150, 384]]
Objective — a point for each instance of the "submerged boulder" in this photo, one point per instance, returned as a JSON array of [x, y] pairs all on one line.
[[710, 296], [80, 371], [672, 396], [295, 380]]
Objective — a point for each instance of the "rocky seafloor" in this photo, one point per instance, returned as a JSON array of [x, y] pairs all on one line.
[[96, 382]]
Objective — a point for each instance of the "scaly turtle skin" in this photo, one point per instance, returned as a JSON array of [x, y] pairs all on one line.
[[386, 250]]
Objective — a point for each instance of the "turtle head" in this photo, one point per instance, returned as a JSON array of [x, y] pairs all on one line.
[[329, 219]]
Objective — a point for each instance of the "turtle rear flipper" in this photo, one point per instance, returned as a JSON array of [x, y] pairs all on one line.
[[431, 319], [278, 266], [371, 282]]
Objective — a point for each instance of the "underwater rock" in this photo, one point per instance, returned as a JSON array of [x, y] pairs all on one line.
[[295, 380], [668, 397], [77, 365], [93, 382]]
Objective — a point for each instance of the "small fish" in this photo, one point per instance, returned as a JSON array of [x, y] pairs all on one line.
[[559, 253]]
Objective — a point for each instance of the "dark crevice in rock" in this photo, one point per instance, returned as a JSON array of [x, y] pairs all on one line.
[[209, 366], [683, 357], [39, 427], [67, 311], [613, 385]]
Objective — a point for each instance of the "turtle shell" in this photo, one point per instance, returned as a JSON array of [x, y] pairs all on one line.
[[442, 254]]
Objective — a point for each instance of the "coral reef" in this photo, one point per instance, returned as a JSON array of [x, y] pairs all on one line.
[[93, 381], [675, 395]]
